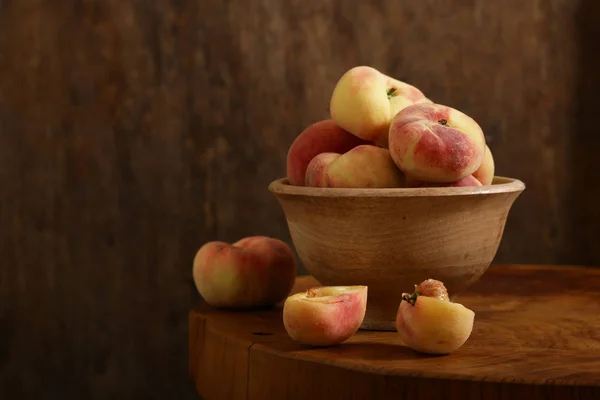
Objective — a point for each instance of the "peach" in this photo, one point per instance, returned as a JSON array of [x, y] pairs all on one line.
[[254, 272], [364, 101], [485, 173], [325, 316], [316, 172], [428, 322], [436, 143], [466, 181], [364, 166], [320, 137]]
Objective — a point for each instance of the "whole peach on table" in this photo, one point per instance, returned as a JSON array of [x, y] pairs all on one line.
[[364, 166], [254, 272], [325, 316], [436, 143], [364, 101], [485, 172], [320, 137], [428, 322]]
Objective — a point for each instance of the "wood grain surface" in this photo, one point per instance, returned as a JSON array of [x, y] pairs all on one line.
[[536, 336], [132, 132]]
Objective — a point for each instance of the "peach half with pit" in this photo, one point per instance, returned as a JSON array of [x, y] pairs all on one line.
[[436, 143], [428, 322], [364, 101], [326, 315], [254, 272]]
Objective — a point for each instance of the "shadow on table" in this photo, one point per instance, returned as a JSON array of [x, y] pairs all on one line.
[[371, 351]]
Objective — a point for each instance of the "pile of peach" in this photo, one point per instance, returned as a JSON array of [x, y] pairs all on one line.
[[259, 271], [384, 133]]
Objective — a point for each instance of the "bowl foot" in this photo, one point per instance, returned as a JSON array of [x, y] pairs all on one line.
[[378, 325], [380, 314]]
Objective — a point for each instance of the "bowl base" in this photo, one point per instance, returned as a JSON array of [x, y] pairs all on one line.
[[377, 325]]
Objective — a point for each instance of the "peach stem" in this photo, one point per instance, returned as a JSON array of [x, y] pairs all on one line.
[[411, 298]]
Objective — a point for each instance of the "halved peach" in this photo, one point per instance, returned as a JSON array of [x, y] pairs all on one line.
[[325, 316], [431, 323]]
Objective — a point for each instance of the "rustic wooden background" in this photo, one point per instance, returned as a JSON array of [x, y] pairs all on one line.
[[131, 132]]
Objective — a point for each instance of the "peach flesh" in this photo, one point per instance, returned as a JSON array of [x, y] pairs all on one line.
[[433, 325], [325, 316]]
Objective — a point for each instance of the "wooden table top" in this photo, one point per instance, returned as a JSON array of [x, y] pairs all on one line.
[[536, 335]]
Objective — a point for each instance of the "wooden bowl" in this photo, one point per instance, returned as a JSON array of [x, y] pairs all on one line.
[[392, 239]]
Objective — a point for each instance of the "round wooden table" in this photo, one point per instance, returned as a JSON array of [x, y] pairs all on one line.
[[536, 336]]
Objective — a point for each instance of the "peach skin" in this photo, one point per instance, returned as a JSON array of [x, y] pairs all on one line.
[[325, 316], [436, 143], [254, 272], [320, 137], [364, 166], [364, 101], [485, 173], [316, 172], [469, 180]]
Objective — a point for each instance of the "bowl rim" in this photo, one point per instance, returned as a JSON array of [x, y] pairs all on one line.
[[500, 184]]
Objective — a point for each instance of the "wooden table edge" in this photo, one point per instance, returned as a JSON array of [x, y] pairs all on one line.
[[305, 281]]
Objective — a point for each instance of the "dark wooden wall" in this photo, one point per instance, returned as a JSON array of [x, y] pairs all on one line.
[[131, 132]]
